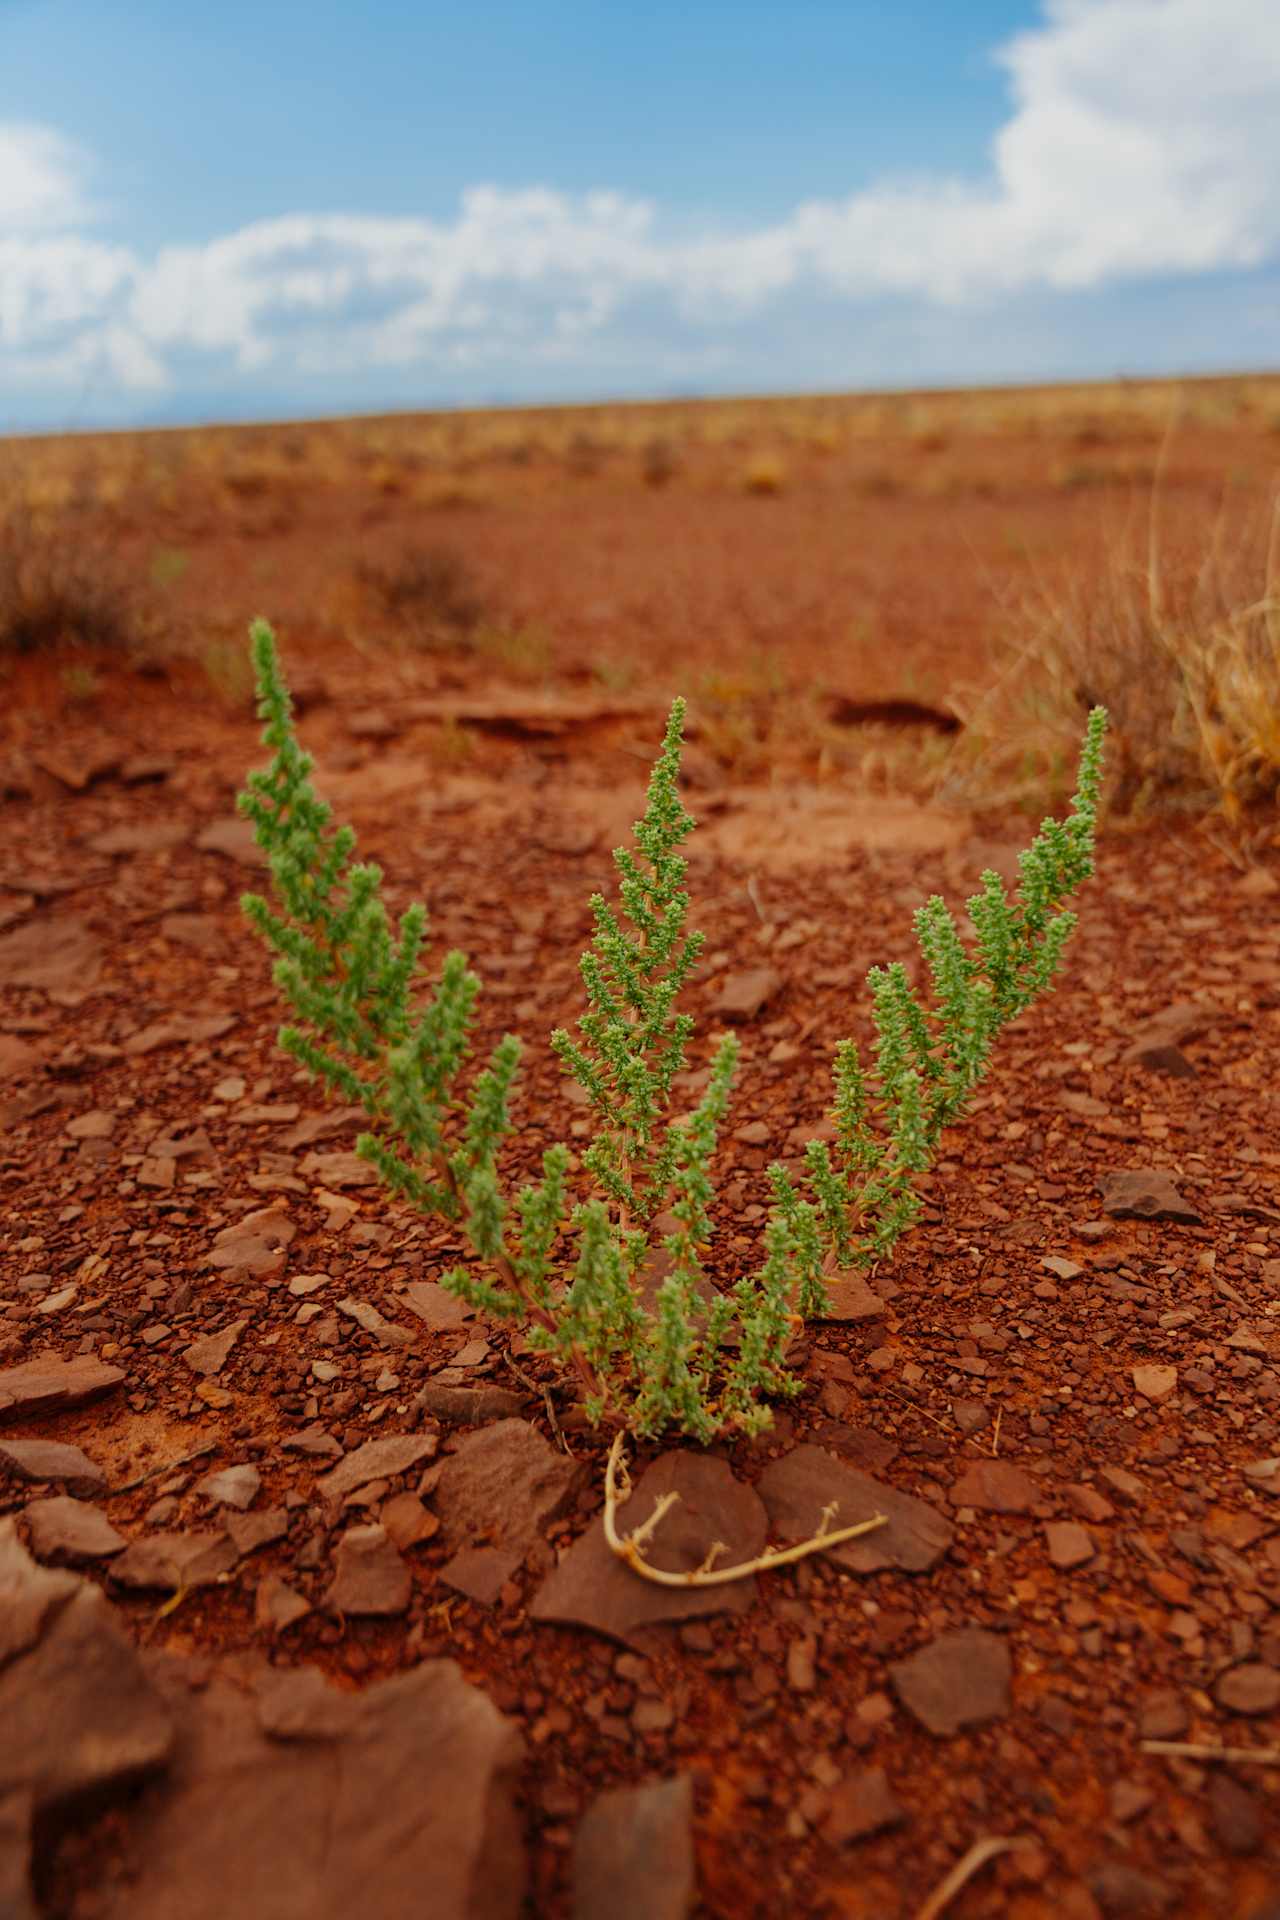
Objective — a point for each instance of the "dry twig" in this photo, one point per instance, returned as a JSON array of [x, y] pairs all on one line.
[[1226, 1756], [960, 1875], [630, 1547]]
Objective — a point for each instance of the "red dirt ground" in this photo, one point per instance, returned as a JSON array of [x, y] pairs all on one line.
[[489, 769]]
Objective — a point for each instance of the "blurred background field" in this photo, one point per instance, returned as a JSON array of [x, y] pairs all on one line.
[[915, 593]]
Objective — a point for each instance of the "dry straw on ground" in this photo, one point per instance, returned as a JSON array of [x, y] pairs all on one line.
[[1179, 639]]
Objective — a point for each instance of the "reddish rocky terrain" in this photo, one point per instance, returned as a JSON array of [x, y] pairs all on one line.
[[304, 1601]]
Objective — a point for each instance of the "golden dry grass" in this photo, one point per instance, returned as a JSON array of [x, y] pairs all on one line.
[[1181, 644]]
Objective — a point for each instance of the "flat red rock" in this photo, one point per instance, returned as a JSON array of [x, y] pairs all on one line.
[[1249, 1689], [289, 1797], [961, 1679], [175, 1561], [744, 995], [592, 1588], [1070, 1544], [995, 1486], [380, 1459], [370, 1578], [796, 1489], [1146, 1193], [633, 1854], [52, 1385], [209, 1356], [863, 1804], [53, 1460], [63, 1528]]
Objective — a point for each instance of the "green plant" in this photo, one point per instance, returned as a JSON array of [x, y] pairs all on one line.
[[929, 1058], [575, 1268]]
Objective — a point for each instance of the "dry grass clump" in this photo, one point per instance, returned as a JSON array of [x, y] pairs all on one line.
[[1182, 647], [764, 475], [427, 593], [660, 462], [59, 586]]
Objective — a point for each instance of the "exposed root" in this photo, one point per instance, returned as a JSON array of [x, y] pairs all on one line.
[[963, 1871], [535, 1388], [630, 1547]]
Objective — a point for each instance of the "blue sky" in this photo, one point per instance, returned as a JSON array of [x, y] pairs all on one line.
[[247, 212]]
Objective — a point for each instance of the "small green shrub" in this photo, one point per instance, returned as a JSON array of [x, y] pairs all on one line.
[[569, 1260]]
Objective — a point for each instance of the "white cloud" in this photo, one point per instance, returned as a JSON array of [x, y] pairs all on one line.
[[40, 174], [1142, 141]]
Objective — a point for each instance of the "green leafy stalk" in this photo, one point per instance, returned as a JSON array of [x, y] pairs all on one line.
[[610, 1284], [633, 1039], [931, 1055]]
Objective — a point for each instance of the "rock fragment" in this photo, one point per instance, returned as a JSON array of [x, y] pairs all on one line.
[[863, 1804], [370, 1579], [1069, 1544], [276, 1605], [257, 1242], [380, 1459], [210, 1355], [996, 1486], [57, 954], [1248, 1689], [250, 1531], [796, 1488], [1235, 1815], [51, 1385], [290, 1798], [1163, 1716], [503, 1485], [1146, 1193], [407, 1520], [745, 995], [467, 1406], [53, 1460], [592, 1588], [1155, 1383], [232, 837], [435, 1305], [63, 1528], [231, 1486], [175, 1561], [961, 1679], [79, 1713], [633, 1854], [29, 1595], [367, 1316]]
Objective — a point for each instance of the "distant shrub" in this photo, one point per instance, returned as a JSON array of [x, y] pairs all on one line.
[[59, 586], [427, 592], [764, 476], [1183, 649], [660, 465]]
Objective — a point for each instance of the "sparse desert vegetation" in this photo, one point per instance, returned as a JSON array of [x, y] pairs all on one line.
[[994, 1624]]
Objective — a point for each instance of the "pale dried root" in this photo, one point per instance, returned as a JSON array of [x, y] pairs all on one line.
[[1226, 1756], [630, 1547], [962, 1873]]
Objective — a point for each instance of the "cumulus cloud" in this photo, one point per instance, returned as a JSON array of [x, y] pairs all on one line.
[[1141, 141], [40, 179]]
